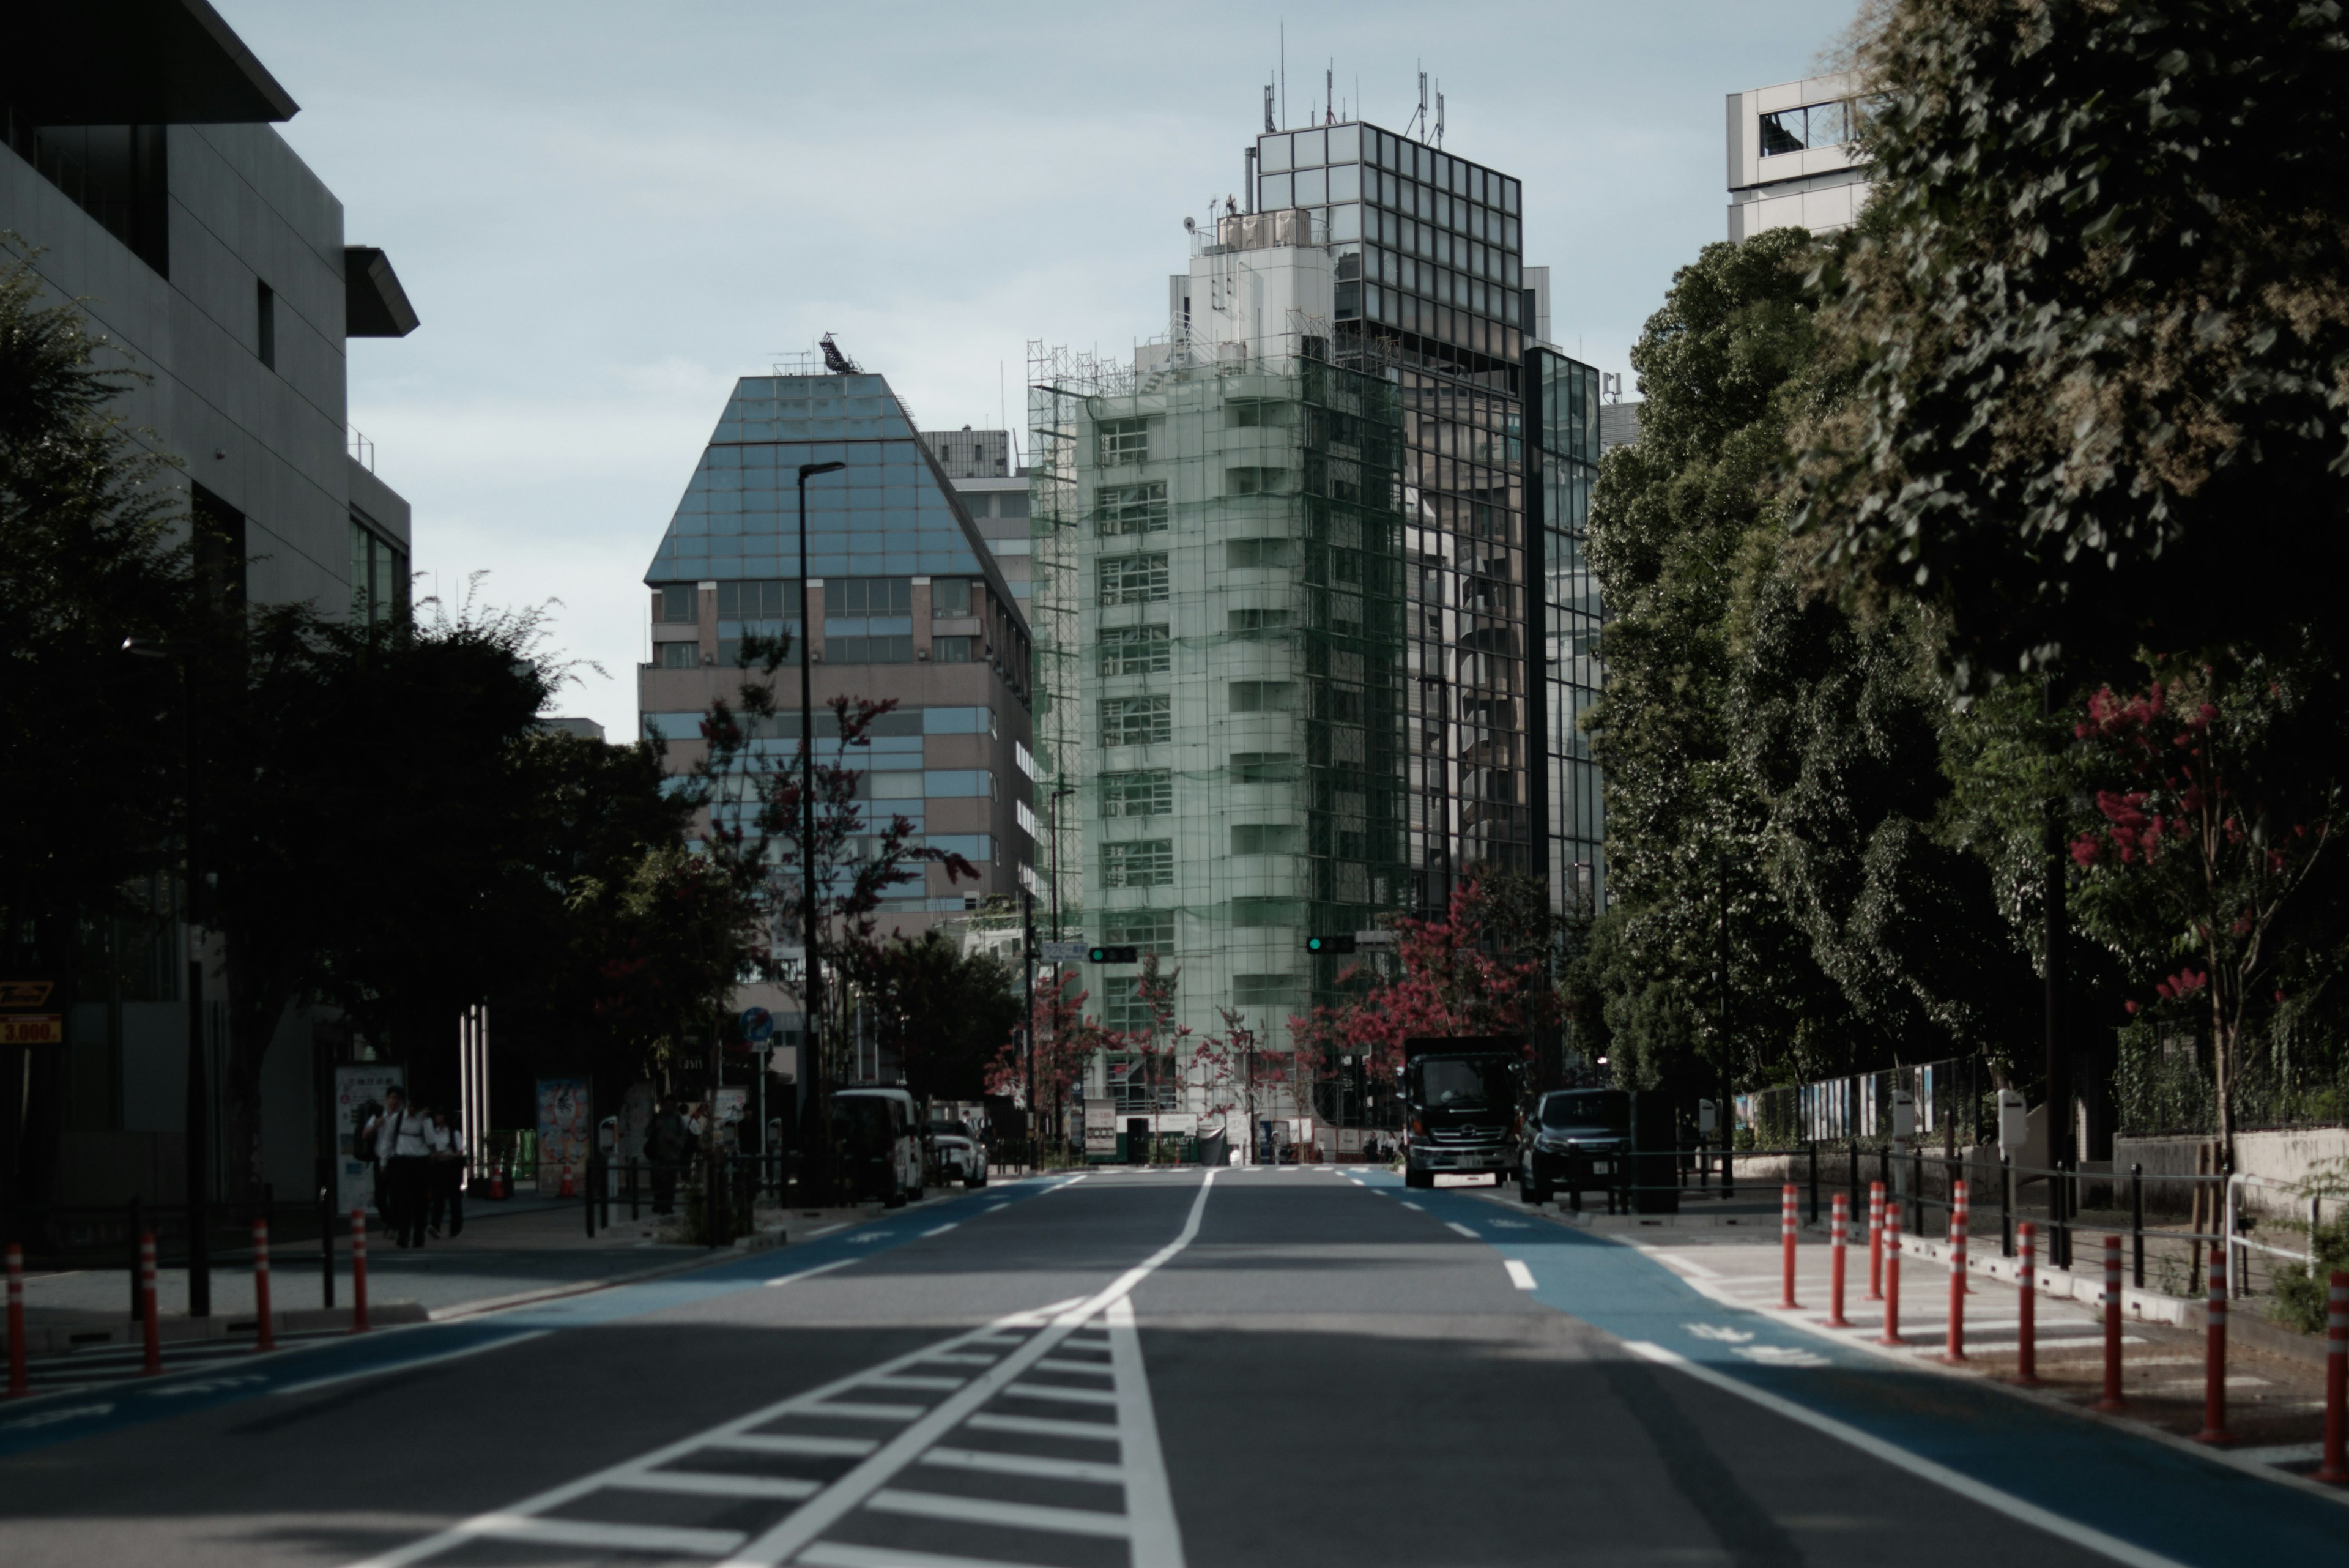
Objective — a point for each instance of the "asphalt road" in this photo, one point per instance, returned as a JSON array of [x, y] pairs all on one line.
[[1290, 1367]]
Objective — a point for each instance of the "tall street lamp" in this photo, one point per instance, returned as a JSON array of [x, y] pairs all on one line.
[[811, 993], [1059, 793], [198, 1086]]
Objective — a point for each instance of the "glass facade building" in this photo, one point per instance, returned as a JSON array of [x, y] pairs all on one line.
[[1562, 428]]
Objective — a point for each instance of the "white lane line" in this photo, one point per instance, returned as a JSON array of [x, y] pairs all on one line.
[[1407, 1203], [1673, 1260], [983, 1511], [828, 1229], [412, 1362], [844, 1554], [950, 1358], [912, 1383], [796, 1443], [852, 1410], [710, 1483], [1026, 1465], [941, 1229], [820, 1513], [1061, 1364], [1045, 1427], [1940, 1475], [1455, 1225], [1520, 1276], [811, 1273], [661, 1538], [1156, 1539], [1065, 1396]]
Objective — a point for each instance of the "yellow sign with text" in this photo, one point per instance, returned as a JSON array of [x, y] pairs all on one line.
[[33, 1029]]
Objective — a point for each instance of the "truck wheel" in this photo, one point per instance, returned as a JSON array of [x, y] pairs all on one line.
[[1531, 1190], [896, 1197], [1413, 1177]]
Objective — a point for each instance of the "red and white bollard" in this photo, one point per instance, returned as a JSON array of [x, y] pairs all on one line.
[[1839, 1242], [154, 1362], [2112, 1399], [1787, 1302], [2026, 1276], [2214, 1371], [359, 1270], [2334, 1467], [1953, 1344], [17, 1385], [1876, 1240], [267, 1337], [1891, 1334]]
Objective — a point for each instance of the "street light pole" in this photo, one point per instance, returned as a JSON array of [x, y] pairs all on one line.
[[198, 1118], [815, 1107]]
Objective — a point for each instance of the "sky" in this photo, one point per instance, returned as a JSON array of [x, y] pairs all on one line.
[[606, 212]]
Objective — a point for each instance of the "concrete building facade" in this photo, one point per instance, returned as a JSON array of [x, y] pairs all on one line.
[[1792, 160], [144, 178]]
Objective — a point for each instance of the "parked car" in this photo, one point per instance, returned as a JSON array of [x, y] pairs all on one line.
[[1580, 1139], [955, 1155], [880, 1154]]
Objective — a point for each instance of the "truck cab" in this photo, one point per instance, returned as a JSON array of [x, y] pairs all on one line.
[[1460, 1101], [879, 1137]]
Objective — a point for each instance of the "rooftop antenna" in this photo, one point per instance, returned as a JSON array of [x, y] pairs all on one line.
[[1284, 70], [1269, 127], [1329, 93], [838, 363], [1439, 119], [1419, 118]]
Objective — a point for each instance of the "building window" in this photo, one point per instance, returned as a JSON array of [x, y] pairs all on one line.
[[1139, 863], [1136, 720], [868, 650], [1247, 413], [1244, 555], [759, 598], [1135, 650], [1247, 622], [265, 302], [1254, 481], [1147, 793], [680, 656], [1151, 929], [379, 577], [1133, 580], [868, 596], [1813, 125], [1263, 838], [1124, 441], [1265, 767], [1263, 990], [673, 604], [1256, 914], [950, 649], [1130, 508], [950, 596], [1263, 697]]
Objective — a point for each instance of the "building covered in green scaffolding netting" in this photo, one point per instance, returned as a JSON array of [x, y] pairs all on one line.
[[1220, 642]]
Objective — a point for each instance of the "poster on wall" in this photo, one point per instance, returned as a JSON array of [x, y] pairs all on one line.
[[359, 1094], [566, 1130]]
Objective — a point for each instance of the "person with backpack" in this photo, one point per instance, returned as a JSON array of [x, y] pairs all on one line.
[[668, 1143], [403, 1152]]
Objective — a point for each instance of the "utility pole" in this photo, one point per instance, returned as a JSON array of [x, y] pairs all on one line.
[[816, 1113], [1720, 880], [2059, 1063], [1027, 993]]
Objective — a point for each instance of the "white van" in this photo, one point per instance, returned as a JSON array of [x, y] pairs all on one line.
[[880, 1144]]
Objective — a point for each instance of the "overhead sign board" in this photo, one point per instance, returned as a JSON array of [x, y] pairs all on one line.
[[25, 995], [1371, 939]]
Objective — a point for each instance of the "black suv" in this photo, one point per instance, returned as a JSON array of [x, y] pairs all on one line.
[[1579, 1138]]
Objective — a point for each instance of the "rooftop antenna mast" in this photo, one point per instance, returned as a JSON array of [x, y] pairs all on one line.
[[1268, 126], [1329, 93], [1419, 118], [1439, 119], [1284, 70]]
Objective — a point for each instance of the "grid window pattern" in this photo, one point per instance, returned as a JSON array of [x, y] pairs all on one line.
[[1138, 863], [951, 650], [868, 596], [868, 650], [1245, 555], [1148, 792], [1124, 441], [680, 656], [379, 577], [1263, 838], [1247, 622], [1152, 929], [1133, 580], [674, 605], [1265, 990], [1263, 697], [952, 596], [1135, 650], [1136, 720], [1130, 508], [762, 598]]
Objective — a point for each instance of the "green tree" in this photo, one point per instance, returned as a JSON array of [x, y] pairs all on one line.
[[943, 1011]]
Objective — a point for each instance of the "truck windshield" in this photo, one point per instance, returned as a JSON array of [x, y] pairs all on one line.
[[1464, 1083], [1609, 1108]]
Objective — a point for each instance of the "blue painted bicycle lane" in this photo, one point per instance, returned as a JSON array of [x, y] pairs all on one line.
[[68, 1415], [2167, 1503]]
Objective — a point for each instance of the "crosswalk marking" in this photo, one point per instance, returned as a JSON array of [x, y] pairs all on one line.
[[1001, 1464], [708, 1483], [986, 1511], [1520, 1276], [1044, 1427]]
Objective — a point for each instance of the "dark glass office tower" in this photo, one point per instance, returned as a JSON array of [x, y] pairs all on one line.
[[1429, 295], [1561, 466]]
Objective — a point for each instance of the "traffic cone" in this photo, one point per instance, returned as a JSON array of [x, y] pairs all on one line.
[[498, 1181], [566, 1190]]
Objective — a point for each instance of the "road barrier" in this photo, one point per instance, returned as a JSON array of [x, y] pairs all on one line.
[[2027, 1334], [16, 1383], [2335, 1468], [1891, 1334], [2112, 1399], [1876, 1240], [1787, 1226], [1839, 1242], [265, 1336], [1953, 1344], [2214, 1371], [154, 1362], [359, 1270]]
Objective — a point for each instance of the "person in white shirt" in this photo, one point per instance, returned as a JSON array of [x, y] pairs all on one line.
[[403, 1147], [447, 1177]]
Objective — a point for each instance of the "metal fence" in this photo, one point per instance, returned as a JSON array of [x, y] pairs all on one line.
[[1955, 1099]]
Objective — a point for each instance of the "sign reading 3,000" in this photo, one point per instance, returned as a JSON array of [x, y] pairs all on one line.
[[32, 1029]]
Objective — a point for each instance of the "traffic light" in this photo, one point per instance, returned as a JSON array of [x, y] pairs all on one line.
[[1115, 955], [1344, 944]]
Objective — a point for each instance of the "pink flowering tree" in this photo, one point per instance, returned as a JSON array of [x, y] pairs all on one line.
[[2204, 830]]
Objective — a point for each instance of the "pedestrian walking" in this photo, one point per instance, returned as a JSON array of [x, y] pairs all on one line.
[[668, 1142], [403, 1151], [447, 1177]]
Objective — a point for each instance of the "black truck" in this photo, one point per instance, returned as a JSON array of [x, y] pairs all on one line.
[[1461, 1095]]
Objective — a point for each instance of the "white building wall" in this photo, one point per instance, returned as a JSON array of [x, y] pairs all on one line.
[[1820, 188]]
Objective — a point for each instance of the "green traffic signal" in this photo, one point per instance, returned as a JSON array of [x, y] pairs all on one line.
[[1115, 955], [1344, 944]]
